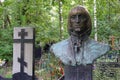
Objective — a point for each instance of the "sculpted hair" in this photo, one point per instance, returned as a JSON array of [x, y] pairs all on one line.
[[88, 26]]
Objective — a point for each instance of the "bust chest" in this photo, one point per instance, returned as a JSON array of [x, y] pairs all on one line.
[[87, 54]]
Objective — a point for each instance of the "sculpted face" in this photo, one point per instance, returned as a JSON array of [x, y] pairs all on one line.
[[79, 22]]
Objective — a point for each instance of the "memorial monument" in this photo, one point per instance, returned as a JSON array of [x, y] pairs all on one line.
[[23, 53], [78, 52]]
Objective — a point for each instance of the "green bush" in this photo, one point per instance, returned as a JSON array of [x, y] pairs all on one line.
[[6, 42]]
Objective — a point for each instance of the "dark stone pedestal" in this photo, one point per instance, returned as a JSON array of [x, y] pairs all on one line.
[[79, 72]]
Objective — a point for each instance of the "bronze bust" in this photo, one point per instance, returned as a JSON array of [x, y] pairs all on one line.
[[78, 52]]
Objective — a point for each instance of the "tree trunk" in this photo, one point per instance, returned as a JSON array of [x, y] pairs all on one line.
[[95, 20], [60, 18]]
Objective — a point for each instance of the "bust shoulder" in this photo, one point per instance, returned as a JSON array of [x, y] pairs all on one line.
[[95, 49], [61, 50], [95, 44], [58, 46]]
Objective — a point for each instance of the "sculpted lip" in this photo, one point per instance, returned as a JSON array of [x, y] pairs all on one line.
[[77, 29], [77, 25]]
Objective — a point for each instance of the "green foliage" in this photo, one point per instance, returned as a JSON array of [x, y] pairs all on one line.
[[44, 16], [107, 19], [6, 72], [6, 44]]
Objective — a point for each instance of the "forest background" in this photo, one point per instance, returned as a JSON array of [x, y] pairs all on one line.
[[49, 18]]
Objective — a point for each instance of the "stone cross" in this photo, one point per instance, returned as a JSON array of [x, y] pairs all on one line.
[[23, 49]]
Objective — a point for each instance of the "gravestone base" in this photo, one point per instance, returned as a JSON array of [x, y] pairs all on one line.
[[21, 76], [18, 77]]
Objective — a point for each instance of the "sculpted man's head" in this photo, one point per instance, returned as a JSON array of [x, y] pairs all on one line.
[[79, 22]]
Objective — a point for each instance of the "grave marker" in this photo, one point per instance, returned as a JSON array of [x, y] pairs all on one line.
[[23, 52]]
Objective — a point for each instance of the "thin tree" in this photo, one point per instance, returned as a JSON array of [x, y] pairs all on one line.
[[95, 20], [60, 18]]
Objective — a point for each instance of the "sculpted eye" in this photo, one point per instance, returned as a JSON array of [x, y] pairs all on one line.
[[79, 15], [83, 17], [73, 16]]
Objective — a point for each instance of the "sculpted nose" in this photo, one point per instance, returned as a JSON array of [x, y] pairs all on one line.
[[77, 19]]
